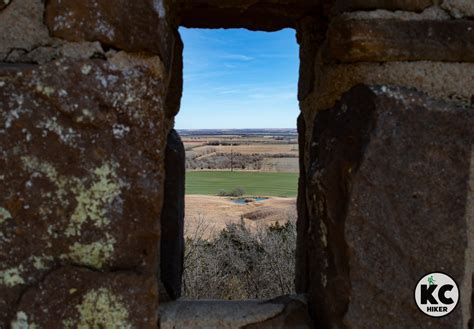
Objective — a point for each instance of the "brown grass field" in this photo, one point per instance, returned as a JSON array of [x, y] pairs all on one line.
[[216, 212], [262, 153], [254, 148]]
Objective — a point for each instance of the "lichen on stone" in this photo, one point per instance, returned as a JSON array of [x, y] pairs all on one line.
[[92, 202], [67, 135], [93, 254], [4, 215], [39, 262], [33, 165], [100, 308], [12, 276], [120, 130], [45, 90], [86, 69], [21, 322]]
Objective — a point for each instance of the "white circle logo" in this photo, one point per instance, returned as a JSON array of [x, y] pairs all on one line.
[[436, 294]]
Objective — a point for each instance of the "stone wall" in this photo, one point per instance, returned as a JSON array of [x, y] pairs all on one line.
[[363, 249], [87, 102], [88, 95]]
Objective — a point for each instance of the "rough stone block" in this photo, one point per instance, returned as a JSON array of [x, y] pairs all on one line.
[[267, 15], [74, 297], [459, 8], [447, 81], [408, 5], [172, 217], [389, 200], [135, 26], [301, 277], [24, 38], [381, 40], [82, 147], [21, 26], [311, 35], [175, 84], [285, 312], [4, 4]]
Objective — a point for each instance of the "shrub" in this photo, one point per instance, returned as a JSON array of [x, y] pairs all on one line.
[[236, 192], [240, 263]]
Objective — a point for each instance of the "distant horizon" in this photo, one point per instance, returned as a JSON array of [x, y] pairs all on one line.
[[239, 79]]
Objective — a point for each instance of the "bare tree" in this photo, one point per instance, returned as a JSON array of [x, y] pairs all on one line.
[[240, 263]]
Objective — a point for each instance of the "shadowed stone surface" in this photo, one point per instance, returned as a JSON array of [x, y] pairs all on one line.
[[285, 312], [175, 84], [301, 276], [79, 298], [172, 217], [311, 33], [409, 5], [4, 4], [380, 40], [82, 148], [388, 187], [269, 15], [21, 26], [459, 8]]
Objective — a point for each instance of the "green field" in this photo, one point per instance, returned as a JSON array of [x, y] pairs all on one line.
[[254, 183]]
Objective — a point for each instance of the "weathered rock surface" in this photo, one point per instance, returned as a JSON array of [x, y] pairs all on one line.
[[430, 13], [4, 4], [21, 26], [48, 53], [267, 15], [381, 40], [444, 81], [25, 37], [301, 275], [82, 147], [388, 190], [135, 26], [74, 297], [311, 35], [459, 8], [280, 313], [172, 217], [175, 78], [408, 5]]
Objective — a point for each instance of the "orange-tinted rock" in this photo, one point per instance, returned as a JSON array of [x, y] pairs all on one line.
[[381, 40], [389, 197], [82, 149]]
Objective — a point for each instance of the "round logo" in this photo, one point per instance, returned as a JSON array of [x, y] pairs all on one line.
[[436, 294]]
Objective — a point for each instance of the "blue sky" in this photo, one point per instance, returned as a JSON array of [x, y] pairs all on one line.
[[239, 79]]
